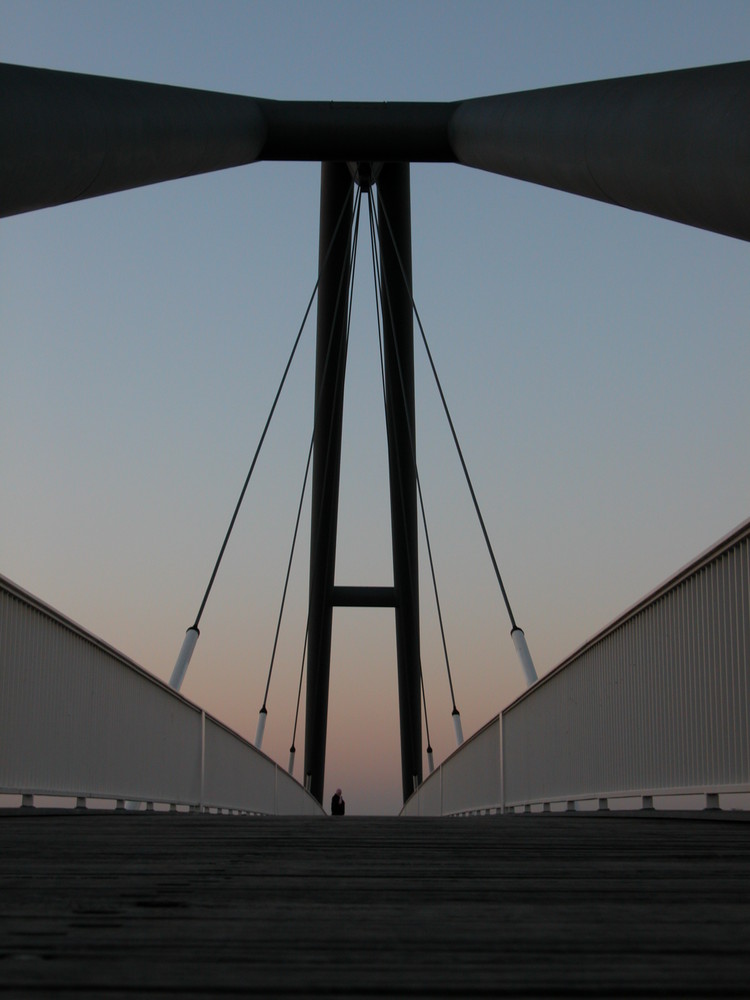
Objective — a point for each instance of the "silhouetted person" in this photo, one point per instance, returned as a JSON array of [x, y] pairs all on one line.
[[338, 806]]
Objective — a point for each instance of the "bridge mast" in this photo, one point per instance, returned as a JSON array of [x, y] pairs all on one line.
[[330, 365]]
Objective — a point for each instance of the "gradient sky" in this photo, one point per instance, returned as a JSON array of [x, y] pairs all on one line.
[[595, 361]]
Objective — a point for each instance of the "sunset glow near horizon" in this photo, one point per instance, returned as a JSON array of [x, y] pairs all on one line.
[[595, 361]]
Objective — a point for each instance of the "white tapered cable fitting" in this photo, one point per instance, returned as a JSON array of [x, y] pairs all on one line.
[[519, 641], [180, 667], [262, 716], [457, 726]]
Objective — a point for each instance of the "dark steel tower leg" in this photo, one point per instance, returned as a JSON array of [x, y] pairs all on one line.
[[330, 365], [398, 336]]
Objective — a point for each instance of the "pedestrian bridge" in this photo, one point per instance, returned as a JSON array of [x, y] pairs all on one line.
[[656, 704]]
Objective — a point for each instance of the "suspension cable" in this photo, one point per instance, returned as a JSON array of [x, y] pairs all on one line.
[[316, 529], [263, 711], [292, 748], [288, 570], [428, 750], [379, 278], [377, 285], [270, 415], [514, 626]]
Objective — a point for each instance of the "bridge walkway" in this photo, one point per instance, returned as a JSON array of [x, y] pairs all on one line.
[[111, 905]]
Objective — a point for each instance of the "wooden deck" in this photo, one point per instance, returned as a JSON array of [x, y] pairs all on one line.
[[113, 905]]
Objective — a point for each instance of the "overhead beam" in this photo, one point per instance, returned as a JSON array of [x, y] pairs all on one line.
[[416, 132], [673, 144], [69, 136]]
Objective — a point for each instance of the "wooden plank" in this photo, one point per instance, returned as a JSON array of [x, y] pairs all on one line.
[[522, 905]]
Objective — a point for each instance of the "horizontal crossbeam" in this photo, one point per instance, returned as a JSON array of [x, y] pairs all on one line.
[[364, 597], [675, 144]]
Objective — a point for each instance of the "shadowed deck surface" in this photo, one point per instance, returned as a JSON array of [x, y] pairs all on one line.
[[112, 904]]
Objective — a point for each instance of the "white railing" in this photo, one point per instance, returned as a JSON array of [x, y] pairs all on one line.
[[467, 781], [656, 704], [79, 719]]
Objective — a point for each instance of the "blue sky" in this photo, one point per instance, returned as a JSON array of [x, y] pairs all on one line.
[[595, 361]]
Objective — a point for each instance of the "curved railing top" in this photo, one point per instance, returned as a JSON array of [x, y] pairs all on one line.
[[69, 716], [674, 144], [738, 535]]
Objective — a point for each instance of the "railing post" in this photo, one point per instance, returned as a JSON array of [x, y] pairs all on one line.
[[203, 759], [501, 751]]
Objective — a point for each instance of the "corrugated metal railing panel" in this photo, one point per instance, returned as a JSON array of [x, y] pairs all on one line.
[[288, 802], [236, 775], [76, 721], [431, 795], [657, 703], [467, 781], [79, 719], [471, 777], [412, 805]]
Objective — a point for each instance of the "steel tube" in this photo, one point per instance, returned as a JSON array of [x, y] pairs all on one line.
[[330, 365], [68, 136], [398, 355], [675, 144]]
